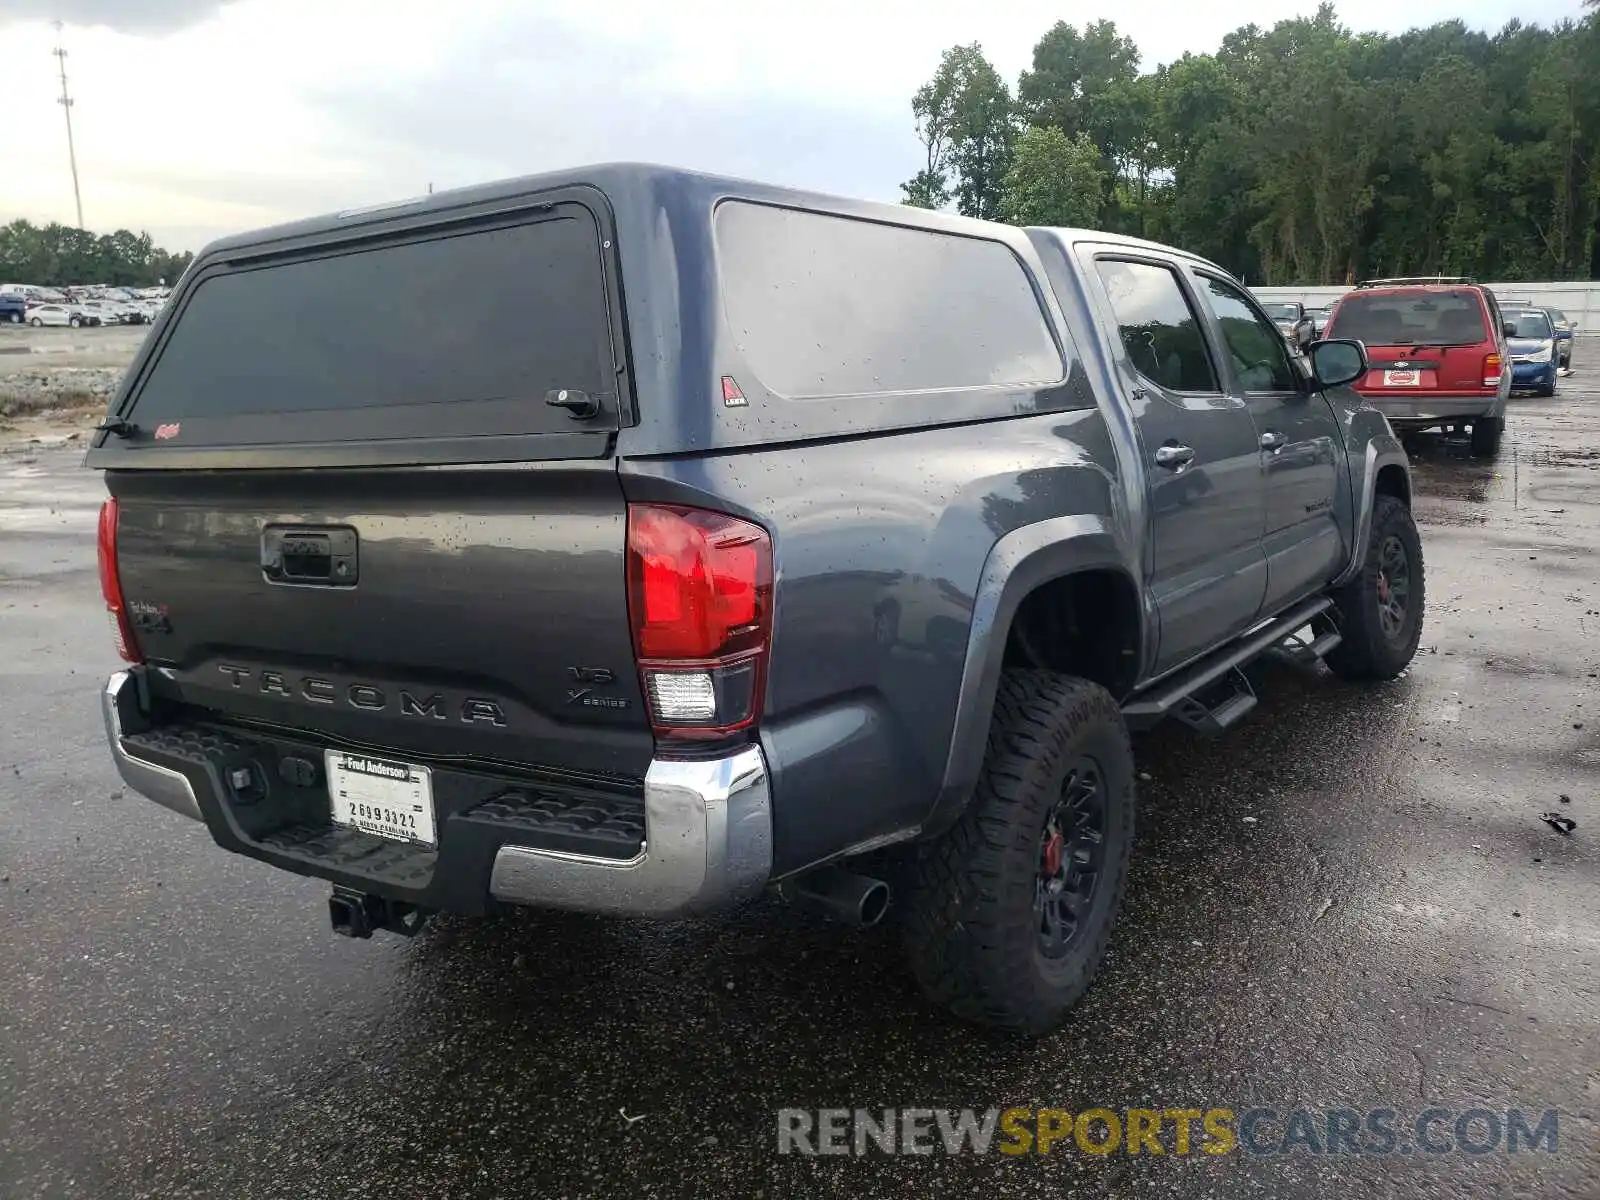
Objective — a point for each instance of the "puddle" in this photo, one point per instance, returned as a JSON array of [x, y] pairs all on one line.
[[1512, 666], [1435, 514], [1439, 482], [1561, 456]]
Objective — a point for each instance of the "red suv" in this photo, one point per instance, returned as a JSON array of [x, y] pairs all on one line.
[[1436, 351]]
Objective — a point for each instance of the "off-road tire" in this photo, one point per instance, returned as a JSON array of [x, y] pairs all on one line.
[[969, 922], [1367, 650], [1486, 432]]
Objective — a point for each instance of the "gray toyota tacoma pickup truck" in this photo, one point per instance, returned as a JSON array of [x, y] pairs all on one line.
[[718, 537]]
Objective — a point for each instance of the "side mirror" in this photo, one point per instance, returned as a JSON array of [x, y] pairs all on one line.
[[1337, 362], [1304, 333], [1508, 328]]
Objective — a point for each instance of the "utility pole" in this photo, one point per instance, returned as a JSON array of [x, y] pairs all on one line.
[[66, 107]]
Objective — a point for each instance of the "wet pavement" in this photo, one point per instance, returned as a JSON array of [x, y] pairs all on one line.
[[1350, 902]]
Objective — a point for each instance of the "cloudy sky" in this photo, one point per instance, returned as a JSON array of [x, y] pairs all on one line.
[[195, 118]]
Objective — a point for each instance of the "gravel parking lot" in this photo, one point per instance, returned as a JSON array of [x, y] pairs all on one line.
[[1352, 901], [53, 368], [103, 346]]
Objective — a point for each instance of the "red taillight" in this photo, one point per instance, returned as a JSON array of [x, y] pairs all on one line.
[[1491, 370], [700, 600], [111, 585]]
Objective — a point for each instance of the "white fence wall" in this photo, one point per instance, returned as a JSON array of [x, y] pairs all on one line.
[[1580, 301]]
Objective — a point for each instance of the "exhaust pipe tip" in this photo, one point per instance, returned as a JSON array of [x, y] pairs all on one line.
[[874, 903], [856, 900]]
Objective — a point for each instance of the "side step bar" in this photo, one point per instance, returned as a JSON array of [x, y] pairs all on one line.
[[1310, 653], [1233, 698], [1218, 706]]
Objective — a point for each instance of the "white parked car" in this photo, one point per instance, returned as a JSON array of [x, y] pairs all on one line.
[[57, 314], [105, 310]]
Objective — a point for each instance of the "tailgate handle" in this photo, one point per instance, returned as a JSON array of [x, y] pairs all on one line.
[[324, 556], [306, 556]]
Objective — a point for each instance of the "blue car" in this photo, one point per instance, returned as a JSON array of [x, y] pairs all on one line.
[[1531, 341], [1566, 331]]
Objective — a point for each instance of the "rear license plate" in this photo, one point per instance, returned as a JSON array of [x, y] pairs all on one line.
[[1402, 378], [374, 795]]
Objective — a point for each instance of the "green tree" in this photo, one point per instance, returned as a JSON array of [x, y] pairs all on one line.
[[1088, 83], [1054, 179], [965, 121], [57, 255], [926, 189], [1072, 73], [933, 107], [1303, 153]]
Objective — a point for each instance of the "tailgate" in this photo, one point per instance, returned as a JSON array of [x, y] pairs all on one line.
[[1406, 369], [366, 487], [478, 613]]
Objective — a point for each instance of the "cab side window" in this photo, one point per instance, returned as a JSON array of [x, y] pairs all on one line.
[[1159, 331], [1260, 357]]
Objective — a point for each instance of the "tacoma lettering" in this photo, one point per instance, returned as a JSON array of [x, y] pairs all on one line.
[[410, 706], [472, 710]]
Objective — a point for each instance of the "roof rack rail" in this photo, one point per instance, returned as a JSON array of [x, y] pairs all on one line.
[[1401, 280]]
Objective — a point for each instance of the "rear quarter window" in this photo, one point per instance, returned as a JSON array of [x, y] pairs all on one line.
[[830, 306]]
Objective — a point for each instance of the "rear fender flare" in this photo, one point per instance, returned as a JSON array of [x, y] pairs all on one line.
[[1019, 562]]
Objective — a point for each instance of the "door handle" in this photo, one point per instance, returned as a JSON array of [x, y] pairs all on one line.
[[1173, 456], [1273, 441]]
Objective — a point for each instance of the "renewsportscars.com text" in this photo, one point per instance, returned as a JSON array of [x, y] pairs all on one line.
[[1259, 1131]]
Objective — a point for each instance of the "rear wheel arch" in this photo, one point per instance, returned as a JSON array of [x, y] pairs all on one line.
[[1085, 623], [1078, 560]]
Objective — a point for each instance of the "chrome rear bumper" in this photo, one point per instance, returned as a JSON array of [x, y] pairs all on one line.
[[707, 841], [119, 707]]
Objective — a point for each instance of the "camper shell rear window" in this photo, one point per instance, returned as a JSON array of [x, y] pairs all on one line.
[[445, 334]]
